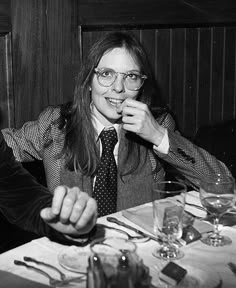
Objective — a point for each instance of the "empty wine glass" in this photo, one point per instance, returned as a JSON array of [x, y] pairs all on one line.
[[168, 209], [217, 196]]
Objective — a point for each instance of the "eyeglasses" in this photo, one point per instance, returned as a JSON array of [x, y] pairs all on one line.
[[132, 80]]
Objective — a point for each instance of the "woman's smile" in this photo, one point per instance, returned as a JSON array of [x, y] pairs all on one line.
[[114, 102]]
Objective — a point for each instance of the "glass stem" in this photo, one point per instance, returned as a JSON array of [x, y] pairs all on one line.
[[216, 227]]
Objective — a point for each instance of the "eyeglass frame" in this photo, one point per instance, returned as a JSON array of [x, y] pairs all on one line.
[[98, 73]]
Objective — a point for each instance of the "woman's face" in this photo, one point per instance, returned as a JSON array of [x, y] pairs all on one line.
[[106, 100]]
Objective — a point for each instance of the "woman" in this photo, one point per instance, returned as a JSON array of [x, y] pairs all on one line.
[[115, 87]]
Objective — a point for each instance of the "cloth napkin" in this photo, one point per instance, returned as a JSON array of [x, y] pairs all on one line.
[[143, 215], [192, 197], [13, 281]]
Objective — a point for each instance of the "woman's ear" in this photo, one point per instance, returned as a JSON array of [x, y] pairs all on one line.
[[90, 89]]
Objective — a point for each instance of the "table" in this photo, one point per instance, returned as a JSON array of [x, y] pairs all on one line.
[[196, 253]]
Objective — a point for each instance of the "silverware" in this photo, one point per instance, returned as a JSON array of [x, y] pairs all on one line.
[[30, 259], [52, 281], [130, 237], [232, 267], [143, 234], [196, 206]]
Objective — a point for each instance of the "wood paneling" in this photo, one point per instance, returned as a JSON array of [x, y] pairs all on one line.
[[6, 92], [43, 41], [5, 16], [103, 13]]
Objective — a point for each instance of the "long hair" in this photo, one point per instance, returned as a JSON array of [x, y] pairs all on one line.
[[80, 149]]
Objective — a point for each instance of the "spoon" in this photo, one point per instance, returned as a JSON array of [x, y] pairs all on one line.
[[52, 281]]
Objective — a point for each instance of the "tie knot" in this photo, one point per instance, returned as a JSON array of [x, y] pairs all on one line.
[[108, 139]]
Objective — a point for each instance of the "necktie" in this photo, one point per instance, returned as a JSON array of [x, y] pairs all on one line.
[[105, 189]]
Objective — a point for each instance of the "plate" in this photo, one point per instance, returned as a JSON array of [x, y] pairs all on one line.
[[196, 277], [74, 258]]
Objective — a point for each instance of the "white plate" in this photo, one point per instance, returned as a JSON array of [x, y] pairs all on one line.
[[196, 277], [74, 258]]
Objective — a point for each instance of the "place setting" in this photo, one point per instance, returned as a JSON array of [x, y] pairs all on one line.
[[151, 245], [170, 222]]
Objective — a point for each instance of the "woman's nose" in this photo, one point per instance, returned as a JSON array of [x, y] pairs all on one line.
[[118, 85]]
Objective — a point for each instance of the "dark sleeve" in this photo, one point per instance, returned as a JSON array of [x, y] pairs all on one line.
[[22, 197]]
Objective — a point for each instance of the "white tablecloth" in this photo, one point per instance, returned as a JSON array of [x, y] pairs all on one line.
[[196, 253]]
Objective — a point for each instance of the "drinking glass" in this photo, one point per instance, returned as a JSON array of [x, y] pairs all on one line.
[[114, 263], [217, 197], [168, 209]]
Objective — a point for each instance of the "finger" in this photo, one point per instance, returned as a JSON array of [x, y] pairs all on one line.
[[130, 111], [59, 194], [47, 214], [79, 207], [130, 127], [127, 103], [89, 215], [68, 204], [131, 119], [134, 103]]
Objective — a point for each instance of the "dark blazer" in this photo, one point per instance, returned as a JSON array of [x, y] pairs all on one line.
[[22, 198], [43, 140]]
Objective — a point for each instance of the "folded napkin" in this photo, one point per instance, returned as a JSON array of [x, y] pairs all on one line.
[[192, 197], [143, 216], [13, 281]]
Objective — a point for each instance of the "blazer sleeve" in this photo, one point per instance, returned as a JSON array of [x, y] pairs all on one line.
[[22, 197], [191, 161], [29, 141]]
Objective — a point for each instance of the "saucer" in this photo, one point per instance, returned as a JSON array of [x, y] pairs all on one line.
[[74, 258]]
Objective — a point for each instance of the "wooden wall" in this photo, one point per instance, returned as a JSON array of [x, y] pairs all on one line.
[[191, 50], [42, 55]]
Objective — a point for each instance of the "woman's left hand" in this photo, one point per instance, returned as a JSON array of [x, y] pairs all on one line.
[[137, 118]]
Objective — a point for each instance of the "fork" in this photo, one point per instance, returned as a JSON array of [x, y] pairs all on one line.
[[52, 281], [30, 259]]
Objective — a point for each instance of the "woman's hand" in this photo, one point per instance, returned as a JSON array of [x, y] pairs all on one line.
[[137, 118], [73, 212]]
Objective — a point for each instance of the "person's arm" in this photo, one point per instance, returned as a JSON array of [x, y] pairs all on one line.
[[22, 199], [193, 162], [29, 141]]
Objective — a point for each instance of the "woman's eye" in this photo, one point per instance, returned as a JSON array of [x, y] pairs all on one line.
[[106, 74], [132, 76]]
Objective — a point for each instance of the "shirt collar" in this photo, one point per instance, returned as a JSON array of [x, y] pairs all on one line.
[[99, 127]]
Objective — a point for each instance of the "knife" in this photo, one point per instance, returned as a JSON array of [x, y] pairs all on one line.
[[118, 222], [196, 206]]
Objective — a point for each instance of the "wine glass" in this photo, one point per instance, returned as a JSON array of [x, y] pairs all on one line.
[[168, 209], [217, 197]]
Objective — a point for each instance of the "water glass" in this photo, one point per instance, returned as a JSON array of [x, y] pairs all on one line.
[[217, 197], [168, 209]]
